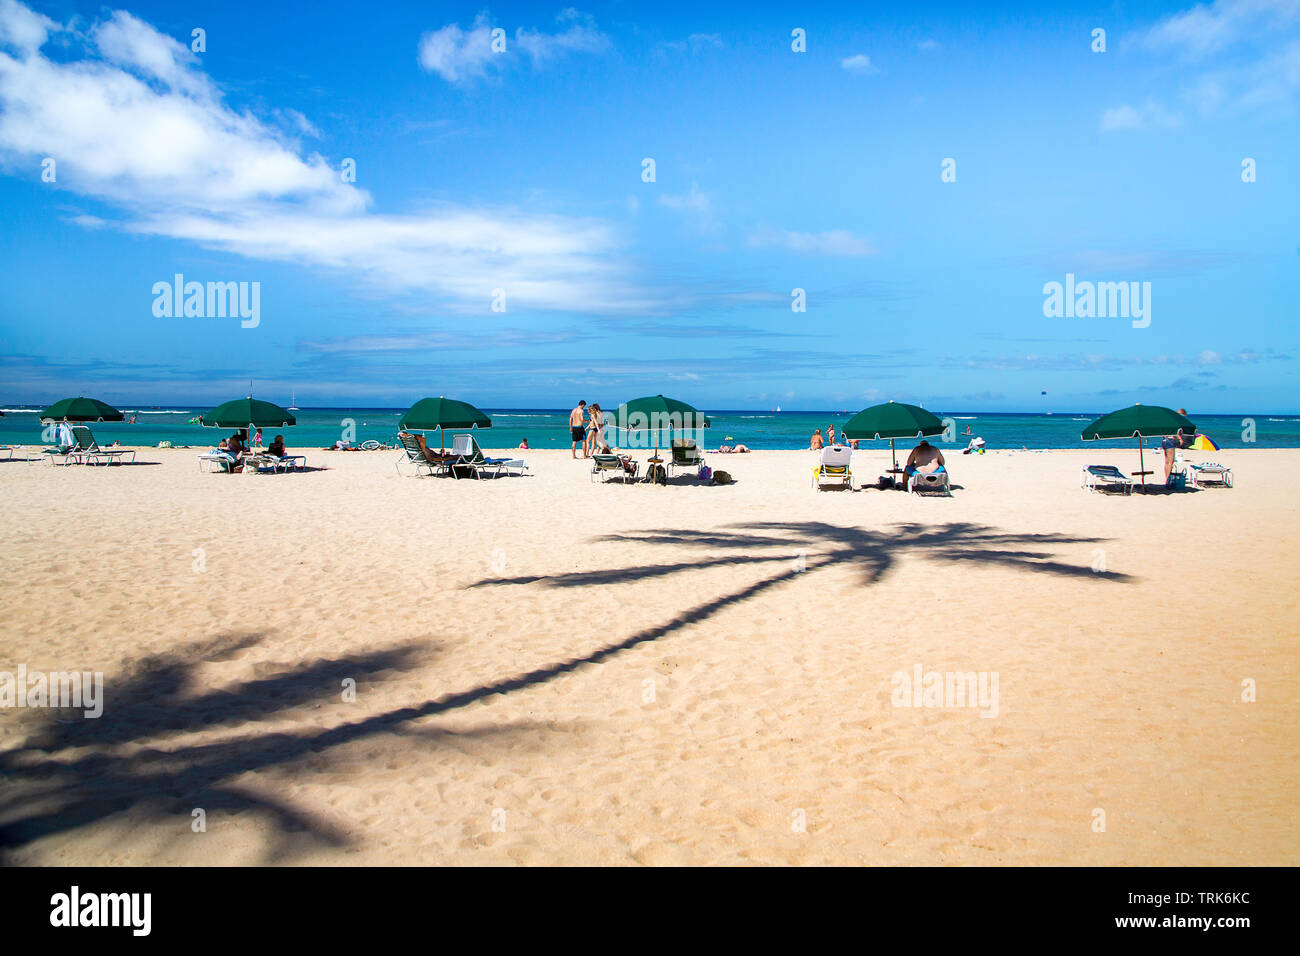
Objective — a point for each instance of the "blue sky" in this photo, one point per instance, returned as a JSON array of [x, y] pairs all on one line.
[[522, 171]]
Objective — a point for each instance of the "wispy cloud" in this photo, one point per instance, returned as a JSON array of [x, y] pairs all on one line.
[[835, 242], [1207, 28], [1150, 114], [695, 43], [858, 63], [132, 119], [1243, 54], [464, 55], [696, 205]]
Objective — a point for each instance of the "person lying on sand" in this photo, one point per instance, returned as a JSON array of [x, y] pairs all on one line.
[[925, 459], [736, 449]]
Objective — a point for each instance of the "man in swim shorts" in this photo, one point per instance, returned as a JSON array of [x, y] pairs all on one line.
[[578, 428]]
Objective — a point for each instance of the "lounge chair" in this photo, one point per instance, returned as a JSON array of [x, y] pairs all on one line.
[[834, 469], [1104, 478], [1210, 474], [686, 454], [216, 461], [610, 468], [276, 463], [471, 458], [86, 450], [929, 482], [8, 451], [413, 454]]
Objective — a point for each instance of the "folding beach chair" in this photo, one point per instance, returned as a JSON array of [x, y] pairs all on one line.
[[87, 450], [932, 482], [685, 454], [611, 468], [413, 454], [1104, 478], [834, 469], [471, 458]]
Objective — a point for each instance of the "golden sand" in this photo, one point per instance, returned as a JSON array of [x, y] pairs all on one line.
[[551, 671]]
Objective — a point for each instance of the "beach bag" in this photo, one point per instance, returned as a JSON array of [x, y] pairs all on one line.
[[721, 478], [657, 475], [705, 473]]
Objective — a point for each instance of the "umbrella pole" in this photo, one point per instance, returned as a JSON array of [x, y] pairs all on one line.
[[1142, 465]]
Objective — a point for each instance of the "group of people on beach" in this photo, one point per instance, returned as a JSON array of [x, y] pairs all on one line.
[[237, 448], [818, 443], [587, 428]]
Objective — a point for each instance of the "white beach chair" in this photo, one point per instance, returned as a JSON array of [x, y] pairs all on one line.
[[1105, 478], [1210, 474], [929, 482], [216, 461], [470, 455], [834, 468]]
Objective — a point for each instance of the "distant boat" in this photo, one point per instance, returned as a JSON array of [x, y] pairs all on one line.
[[293, 403]]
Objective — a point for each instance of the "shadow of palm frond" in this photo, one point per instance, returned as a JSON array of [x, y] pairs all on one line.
[[134, 758], [872, 552]]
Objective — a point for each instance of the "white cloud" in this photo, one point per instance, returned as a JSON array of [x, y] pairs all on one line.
[[835, 242], [461, 56], [22, 28], [1252, 49], [458, 55], [1121, 117], [928, 45], [1206, 28], [858, 63], [141, 127], [1151, 114]]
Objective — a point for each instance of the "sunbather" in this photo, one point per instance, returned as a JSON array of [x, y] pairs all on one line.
[[925, 459], [276, 447], [817, 443]]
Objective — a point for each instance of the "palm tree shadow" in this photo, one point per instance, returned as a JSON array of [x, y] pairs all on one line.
[[77, 773], [139, 759]]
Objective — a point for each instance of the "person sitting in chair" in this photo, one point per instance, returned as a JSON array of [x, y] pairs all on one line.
[[925, 459], [276, 447]]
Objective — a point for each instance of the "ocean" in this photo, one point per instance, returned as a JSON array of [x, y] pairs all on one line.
[[547, 428]]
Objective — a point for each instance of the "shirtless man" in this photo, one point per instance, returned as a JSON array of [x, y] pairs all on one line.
[[925, 458], [578, 428]]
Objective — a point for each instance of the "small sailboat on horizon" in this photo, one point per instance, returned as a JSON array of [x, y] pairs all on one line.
[[293, 402]]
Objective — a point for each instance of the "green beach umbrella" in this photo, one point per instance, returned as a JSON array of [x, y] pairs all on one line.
[[246, 413], [80, 410], [655, 412], [1139, 421], [893, 420], [430, 413]]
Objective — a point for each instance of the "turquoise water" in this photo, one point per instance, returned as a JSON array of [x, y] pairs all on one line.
[[544, 428]]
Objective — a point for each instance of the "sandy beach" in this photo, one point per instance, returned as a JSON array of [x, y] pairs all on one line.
[[551, 671]]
